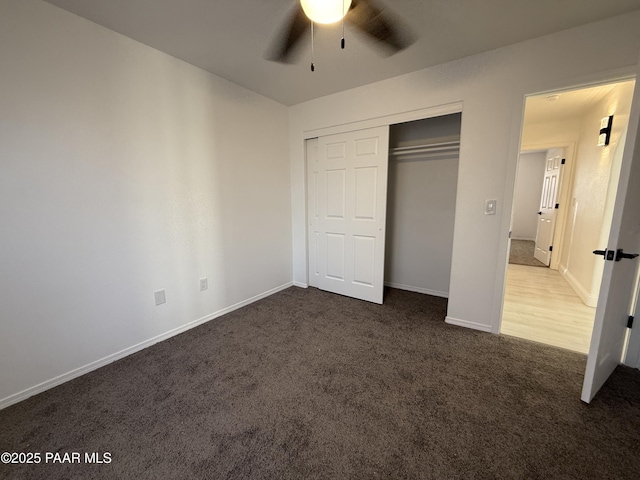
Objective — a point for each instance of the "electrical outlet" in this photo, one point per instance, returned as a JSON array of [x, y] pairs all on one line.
[[160, 297], [204, 284]]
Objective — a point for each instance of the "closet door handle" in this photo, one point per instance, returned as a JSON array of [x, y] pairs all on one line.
[[539, 213]]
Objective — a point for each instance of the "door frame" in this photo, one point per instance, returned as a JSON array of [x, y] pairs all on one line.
[[632, 353], [566, 184], [602, 78], [386, 120]]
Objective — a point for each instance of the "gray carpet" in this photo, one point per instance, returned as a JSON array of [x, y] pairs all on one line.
[[521, 253], [306, 385]]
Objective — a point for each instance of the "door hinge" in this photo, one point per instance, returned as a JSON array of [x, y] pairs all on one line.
[[557, 205], [551, 248], [630, 321], [563, 160]]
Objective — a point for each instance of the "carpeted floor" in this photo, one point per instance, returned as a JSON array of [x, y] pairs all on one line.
[[308, 385], [521, 253]]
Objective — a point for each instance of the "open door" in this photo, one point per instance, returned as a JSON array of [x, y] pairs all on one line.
[[548, 205], [347, 202], [618, 287]]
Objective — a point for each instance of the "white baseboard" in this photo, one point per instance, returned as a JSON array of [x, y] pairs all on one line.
[[587, 298], [65, 377], [522, 238], [410, 288], [300, 284], [468, 324]]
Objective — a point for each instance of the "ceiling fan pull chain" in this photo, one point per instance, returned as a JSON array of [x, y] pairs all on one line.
[[342, 41], [313, 67]]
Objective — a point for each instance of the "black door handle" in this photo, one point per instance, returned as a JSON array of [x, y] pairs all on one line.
[[539, 213], [617, 255], [607, 254], [620, 255]]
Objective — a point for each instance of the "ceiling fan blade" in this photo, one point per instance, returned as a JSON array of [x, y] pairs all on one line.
[[295, 29], [378, 24]]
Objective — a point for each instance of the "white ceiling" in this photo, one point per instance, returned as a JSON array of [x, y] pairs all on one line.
[[566, 105], [230, 37]]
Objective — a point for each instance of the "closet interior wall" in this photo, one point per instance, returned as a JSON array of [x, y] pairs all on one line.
[[423, 174]]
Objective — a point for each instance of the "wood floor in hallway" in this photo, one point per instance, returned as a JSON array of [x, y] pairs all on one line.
[[540, 305]]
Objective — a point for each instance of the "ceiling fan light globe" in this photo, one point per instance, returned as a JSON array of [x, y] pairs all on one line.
[[325, 11]]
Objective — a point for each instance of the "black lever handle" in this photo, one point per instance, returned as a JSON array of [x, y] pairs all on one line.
[[617, 255], [620, 255], [607, 254], [539, 213]]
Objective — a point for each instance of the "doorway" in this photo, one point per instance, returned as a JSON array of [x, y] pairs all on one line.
[[555, 305], [421, 201]]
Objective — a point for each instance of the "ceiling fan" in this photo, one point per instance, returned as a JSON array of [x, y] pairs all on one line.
[[376, 22]]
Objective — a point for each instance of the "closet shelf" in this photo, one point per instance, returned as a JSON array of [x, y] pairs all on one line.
[[445, 149]]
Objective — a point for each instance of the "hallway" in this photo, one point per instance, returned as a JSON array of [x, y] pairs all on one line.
[[540, 305]]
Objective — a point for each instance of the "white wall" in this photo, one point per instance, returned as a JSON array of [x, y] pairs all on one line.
[[124, 171], [526, 196], [428, 131], [421, 202], [491, 87], [593, 193]]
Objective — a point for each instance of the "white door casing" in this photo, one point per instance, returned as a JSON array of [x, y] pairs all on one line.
[[618, 287], [632, 354], [347, 196], [548, 202]]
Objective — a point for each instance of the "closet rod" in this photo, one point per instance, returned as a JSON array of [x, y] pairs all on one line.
[[434, 148]]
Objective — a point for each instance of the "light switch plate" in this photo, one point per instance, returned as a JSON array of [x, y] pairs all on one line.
[[490, 207]]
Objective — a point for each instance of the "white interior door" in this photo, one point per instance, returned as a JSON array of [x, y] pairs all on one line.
[[347, 196], [548, 205], [618, 287]]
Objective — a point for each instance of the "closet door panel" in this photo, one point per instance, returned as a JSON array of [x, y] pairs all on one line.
[[347, 182]]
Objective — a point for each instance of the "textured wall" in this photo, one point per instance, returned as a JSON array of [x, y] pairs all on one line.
[[526, 195], [125, 171], [593, 192]]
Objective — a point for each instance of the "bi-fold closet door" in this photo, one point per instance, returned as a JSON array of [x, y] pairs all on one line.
[[347, 195]]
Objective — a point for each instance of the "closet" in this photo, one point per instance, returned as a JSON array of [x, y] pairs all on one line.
[[421, 198]]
